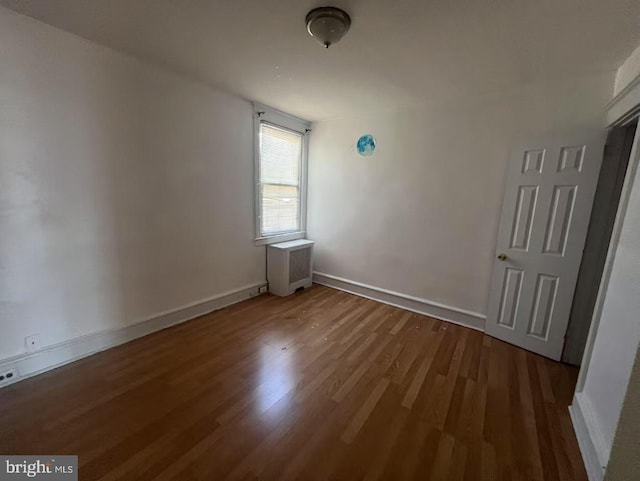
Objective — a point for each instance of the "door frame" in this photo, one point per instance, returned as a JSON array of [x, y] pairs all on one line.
[[624, 107], [614, 166], [634, 159]]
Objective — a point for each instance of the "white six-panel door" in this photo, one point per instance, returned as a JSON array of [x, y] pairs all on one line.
[[545, 216]]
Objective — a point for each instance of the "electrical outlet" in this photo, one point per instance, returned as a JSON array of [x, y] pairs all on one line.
[[262, 290], [32, 343], [9, 376]]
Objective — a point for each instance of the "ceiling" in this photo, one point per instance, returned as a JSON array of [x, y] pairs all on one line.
[[397, 53]]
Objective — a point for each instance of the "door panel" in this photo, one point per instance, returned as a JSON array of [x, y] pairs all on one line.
[[547, 204], [543, 304], [511, 289], [559, 219], [527, 195], [533, 161]]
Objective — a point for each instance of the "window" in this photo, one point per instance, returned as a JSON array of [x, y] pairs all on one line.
[[280, 162], [281, 176]]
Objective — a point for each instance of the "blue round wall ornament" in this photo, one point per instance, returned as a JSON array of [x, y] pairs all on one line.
[[366, 145]]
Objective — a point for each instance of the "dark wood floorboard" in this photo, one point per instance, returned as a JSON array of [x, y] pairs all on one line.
[[318, 385]]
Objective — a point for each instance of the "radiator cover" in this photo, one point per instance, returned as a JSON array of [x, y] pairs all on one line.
[[289, 266]]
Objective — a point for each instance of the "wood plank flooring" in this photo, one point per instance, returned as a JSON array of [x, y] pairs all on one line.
[[319, 385]]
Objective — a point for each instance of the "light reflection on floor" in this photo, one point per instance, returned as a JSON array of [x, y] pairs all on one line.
[[277, 380]]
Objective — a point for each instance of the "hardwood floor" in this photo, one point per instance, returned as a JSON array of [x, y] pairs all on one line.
[[319, 385]]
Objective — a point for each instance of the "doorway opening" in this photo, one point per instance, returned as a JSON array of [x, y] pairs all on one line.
[[617, 153]]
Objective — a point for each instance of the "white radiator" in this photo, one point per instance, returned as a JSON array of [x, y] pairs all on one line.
[[289, 266]]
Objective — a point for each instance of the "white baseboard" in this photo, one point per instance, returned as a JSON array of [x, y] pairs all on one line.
[[50, 357], [593, 455], [473, 320]]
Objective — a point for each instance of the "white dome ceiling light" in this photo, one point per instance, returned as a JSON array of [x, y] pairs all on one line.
[[327, 25]]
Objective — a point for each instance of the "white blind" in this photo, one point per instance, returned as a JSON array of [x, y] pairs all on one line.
[[280, 164]]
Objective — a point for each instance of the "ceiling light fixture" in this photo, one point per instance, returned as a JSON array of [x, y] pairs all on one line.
[[327, 25]]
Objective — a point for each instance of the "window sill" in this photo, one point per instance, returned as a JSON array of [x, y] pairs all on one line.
[[274, 239]]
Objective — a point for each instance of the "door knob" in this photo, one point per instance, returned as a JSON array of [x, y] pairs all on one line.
[[502, 257]]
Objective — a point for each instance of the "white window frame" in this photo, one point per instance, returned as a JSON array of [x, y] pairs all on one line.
[[262, 113]]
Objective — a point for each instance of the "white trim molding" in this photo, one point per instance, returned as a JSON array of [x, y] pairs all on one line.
[[624, 106], [463, 317], [261, 241], [57, 355], [589, 440]]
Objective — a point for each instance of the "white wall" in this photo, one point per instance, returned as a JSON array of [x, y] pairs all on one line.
[[125, 190], [420, 216], [624, 464]]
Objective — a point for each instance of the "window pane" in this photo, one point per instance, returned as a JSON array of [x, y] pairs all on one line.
[[280, 208], [280, 164], [280, 156]]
